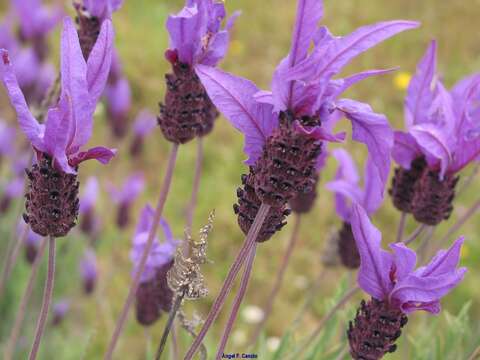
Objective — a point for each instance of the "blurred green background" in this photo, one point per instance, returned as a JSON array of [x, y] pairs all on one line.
[[260, 39]]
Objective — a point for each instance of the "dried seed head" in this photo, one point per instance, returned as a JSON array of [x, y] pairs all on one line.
[[52, 199], [347, 247], [88, 29], [303, 202], [432, 201], [248, 206], [188, 112], [375, 329], [185, 277], [287, 165], [403, 184]]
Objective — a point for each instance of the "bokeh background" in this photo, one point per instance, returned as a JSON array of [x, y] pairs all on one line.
[[260, 39]]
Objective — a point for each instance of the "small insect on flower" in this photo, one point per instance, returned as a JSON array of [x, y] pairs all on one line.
[[196, 38], [52, 196], [347, 191], [396, 287], [153, 295], [439, 141], [285, 128]]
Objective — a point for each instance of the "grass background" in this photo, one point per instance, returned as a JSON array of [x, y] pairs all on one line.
[[260, 39]]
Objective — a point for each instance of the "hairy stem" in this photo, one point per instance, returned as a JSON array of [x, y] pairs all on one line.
[[415, 234], [196, 185], [151, 236], [326, 318], [237, 301], [267, 310], [10, 349], [401, 226], [168, 326], [47, 299], [228, 283]]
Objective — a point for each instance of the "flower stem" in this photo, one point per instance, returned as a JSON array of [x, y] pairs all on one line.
[[232, 274], [12, 256], [151, 236], [168, 326], [462, 220], [476, 354], [267, 310], [237, 301], [401, 226], [416, 233], [10, 349], [47, 299], [326, 318], [196, 186]]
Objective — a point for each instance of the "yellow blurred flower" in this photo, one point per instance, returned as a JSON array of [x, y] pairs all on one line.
[[402, 79], [236, 47], [465, 251]]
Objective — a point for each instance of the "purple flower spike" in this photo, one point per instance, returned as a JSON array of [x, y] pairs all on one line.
[[36, 20], [196, 36], [89, 271], [32, 241], [102, 9], [397, 289], [59, 310], [160, 254], [391, 276], [125, 197], [143, 126], [441, 138], [69, 124]]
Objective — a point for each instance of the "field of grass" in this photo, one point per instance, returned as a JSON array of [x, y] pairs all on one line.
[[261, 38]]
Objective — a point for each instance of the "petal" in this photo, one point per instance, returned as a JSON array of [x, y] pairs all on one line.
[[404, 259], [144, 123], [373, 130], [432, 307], [29, 125], [233, 96], [444, 261], [99, 153], [405, 149], [146, 218], [167, 231], [421, 290], [344, 191], [319, 133], [89, 195], [420, 90], [74, 83], [374, 187], [99, 61], [186, 29], [216, 50], [118, 97], [347, 169], [264, 97], [132, 187], [373, 276], [353, 79], [433, 142]]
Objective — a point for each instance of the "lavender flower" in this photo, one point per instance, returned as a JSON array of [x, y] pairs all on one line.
[[7, 138], [60, 309], [442, 138], [153, 294], [68, 127], [32, 241], [143, 126], [89, 271], [89, 222], [124, 197], [196, 38], [347, 191], [396, 288], [284, 128], [118, 98]]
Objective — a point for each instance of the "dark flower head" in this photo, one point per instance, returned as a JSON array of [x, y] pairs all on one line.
[[196, 36], [68, 124], [89, 271], [125, 196], [303, 87], [59, 311], [440, 125], [142, 127], [391, 276]]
